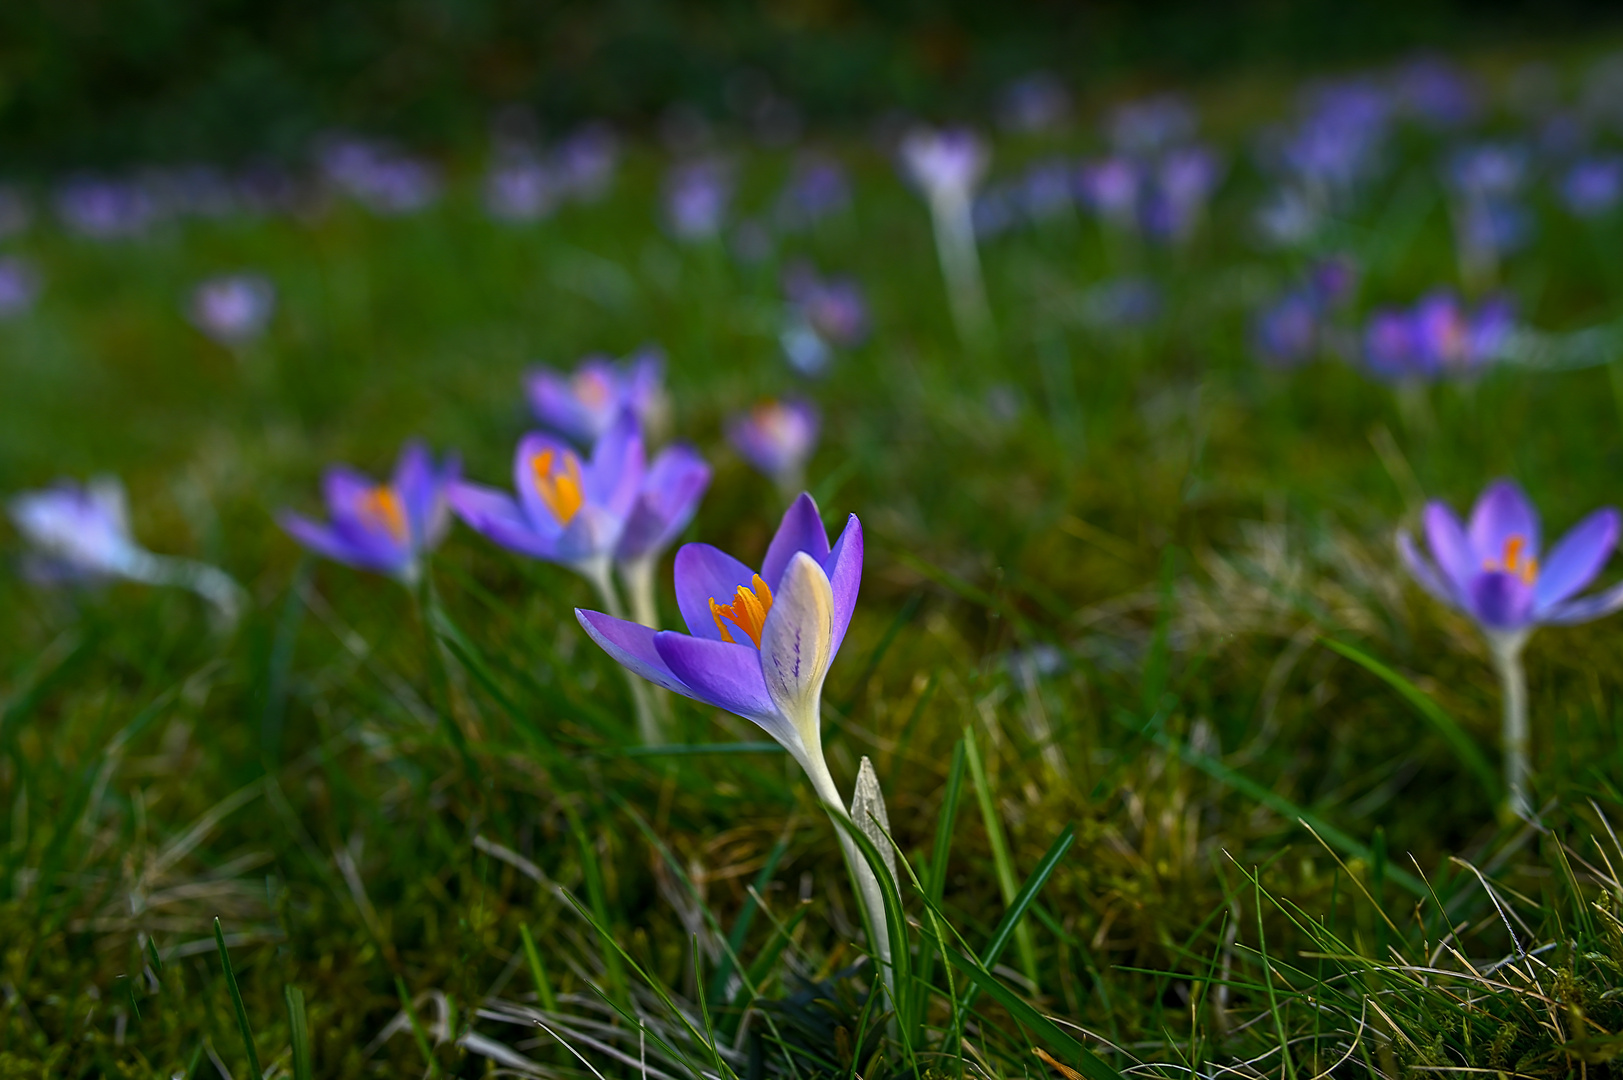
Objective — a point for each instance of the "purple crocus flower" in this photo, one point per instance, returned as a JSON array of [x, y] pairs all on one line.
[[234, 309], [1034, 104], [946, 165], [818, 188], [1593, 187], [585, 161], [759, 643], [19, 286], [521, 189], [105, 209], [1438, 93], [566, 510], [1491, 568], [1287, 333], [1184, 181], [1111, 188], [1046, 190], [385, 528], [382, 180], [697, 196], [79, 532], [1438, 336], [585, 404], [1149, 126], [834, 307], [776, 437], [669, 495]]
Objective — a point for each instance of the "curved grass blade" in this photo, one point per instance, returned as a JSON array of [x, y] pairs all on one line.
[[299, 1032], [236, 1001], [1012, 917], [1465, 748]]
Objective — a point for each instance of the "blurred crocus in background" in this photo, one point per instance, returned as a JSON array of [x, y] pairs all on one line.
[[19, 286], [759, 645], [777, 437], [1484, 181], [584, 163], [1110, 187], [1438, 337], [817, 189], [1493, 569], [947, 167], [1297, 327], [104, 208], [80, 533], [698, 195], [825, 314], [574, 512], [521, 188], [1034, 104], [388, 527], [233, 309], [1593, 186], [671, 489], [382, 179], [585, 403]]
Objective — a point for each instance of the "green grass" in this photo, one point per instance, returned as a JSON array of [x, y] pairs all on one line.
[[1282, 859]]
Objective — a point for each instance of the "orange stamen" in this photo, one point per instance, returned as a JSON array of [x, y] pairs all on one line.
[[558, 484], [592, 388], [382, 507], [747, 611], [1515, 561]]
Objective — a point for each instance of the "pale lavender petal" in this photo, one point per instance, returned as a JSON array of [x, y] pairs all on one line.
[[704, 573], [554, 400], [844, 567], [1574, 562], [801, 530], [494, 514], [633, 646], [1421, 569], [1501, 601], [329, 543], [1450, 547], [344, 489], [1503, 513], [797, 642], [726, 676], [531, 447], [1585, 608], [671, 490], [614, 475]]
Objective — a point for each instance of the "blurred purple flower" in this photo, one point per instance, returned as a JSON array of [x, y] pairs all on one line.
[[1338, 142], [1147, 127], [670, 493], [1183, 182], [585, 404], [697, 197], [1488, 170], [1439, 93], [78, 532], [1287, 333], [1593, 186], [19, 286], [382, 180], [1122, 303], [1492, 570], [1034, 104], [1046, 189], [817, 188], [566, 510], [105, 209], [777, 437], [1437, 337], [947, 165], [585, 162], [385, 528], [834, 307], [521, 188], [1111, 187], [233, 309]]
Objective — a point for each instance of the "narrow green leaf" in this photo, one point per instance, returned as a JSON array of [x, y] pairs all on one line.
[[298, 1025], [1465, 748], [1088, 1063], [1001, 862], [543, 985], [1023, 900], [236, 1001], [746, 917], [417, 1031]]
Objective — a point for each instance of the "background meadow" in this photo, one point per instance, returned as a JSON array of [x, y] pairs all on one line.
[[1106, 549]]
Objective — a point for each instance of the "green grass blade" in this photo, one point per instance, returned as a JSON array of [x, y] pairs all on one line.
[[236, 1001], [1002, 863], [1023, 900], [298, 1025], [1088, 1063], [417, 1031], [538, 972], [746, 917], [1465, 748]]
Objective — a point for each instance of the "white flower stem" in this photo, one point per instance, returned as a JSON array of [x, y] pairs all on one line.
[[209, 582], [863, 881], [1507, 664], [953, 218], [637, 576], [597, 572]]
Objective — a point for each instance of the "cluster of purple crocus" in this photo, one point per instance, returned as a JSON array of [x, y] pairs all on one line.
[[824, 314], [526, 182], [1438, 337], [1300, 326]]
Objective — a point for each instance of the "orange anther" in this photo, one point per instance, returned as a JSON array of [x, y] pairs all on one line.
[[747, 611], [558, 483]]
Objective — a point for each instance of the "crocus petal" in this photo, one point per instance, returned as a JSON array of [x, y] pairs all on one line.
[[531, 447], [495, 514], [1574, 562], [417, 483], [1450, 547], [1501, 601], [844, 568], [614, 475], [726, 676], [1501, 513], [1585, 608], [344, 489], [797, 643], [704, 573], [671, 491], [329, 543], [1421, 569], [633, 646], [801, 530]]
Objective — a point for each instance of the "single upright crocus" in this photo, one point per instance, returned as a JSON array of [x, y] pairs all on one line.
[[824, 314], [1494, 570], [233, 309], [81, 534], [383, 527], [777, 437], [697, 197], [584, 404], [19, 286], [1593, 187], [1437, 337], [521, 188], [666, 501], [947, 167], [759, 645]]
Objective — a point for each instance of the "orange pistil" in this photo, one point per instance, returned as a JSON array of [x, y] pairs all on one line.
[[592, 388], [381, 506], [747, 611], [1515, 561], [558, 483]]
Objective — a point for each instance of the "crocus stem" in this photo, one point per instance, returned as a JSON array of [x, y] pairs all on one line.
[[597, 572], [863, 880], [209, 582], [954, 223], [638, 578], [1507, 663]]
